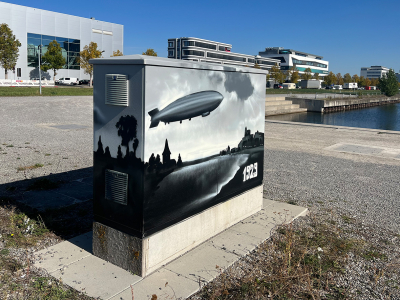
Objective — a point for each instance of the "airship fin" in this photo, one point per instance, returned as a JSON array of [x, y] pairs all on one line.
[[205, 114], [153, 112], [154, 123]]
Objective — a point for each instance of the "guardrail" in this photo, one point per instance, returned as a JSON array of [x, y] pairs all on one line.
[[12, 82]]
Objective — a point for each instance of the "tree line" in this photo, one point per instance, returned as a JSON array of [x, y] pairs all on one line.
[[293, 75], [53, 58]]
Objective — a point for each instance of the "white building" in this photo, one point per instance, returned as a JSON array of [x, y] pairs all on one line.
[[301, 60], [34, 27], [195, 49], [374, 72]]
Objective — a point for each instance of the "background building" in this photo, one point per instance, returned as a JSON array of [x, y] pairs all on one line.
[[301, 60], [34, 27], [189, 48], [374, 72]]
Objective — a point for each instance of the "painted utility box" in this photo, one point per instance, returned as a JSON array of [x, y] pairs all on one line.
[[172, 139]]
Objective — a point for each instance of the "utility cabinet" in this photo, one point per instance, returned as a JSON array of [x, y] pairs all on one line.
[[178, 155]]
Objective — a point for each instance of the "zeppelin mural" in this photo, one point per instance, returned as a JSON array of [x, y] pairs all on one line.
[[196, 140]]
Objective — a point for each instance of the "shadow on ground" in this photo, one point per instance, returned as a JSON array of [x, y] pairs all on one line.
[[63, 201]]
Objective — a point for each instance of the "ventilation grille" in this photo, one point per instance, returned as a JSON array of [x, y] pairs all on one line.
[[117, 89], [117, 187]]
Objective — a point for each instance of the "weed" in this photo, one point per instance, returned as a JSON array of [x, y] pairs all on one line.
[[9, 146], [292, 202], [47, 154], [374, 254], [4, 252], [43, 184], [35, 166], [347, 219]]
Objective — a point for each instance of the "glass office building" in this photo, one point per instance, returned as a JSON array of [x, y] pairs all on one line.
[[34, 27], [300, 60]]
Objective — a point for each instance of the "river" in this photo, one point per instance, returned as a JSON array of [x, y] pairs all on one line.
[[386, 117]]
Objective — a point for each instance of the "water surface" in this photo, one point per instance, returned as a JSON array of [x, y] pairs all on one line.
[[386, 117]]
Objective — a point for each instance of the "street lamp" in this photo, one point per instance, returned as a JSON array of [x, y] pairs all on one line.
[[40, 74]]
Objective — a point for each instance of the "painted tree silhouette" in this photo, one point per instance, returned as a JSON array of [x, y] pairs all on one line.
[[119, 154], [127, 130]]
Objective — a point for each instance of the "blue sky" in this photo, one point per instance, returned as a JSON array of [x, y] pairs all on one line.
[[349, 34]]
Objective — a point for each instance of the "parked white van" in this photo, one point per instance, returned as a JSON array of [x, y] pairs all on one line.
[[289, 86], [338, 87], [68, 81]]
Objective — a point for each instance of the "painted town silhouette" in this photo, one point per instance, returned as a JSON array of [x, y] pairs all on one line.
[[127, 130], [161, 203]]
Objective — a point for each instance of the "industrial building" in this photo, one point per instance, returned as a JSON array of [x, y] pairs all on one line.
[[34, 27], [292, 58], [374, 72], [195, 49]]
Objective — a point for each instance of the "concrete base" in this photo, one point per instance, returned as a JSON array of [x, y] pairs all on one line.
[[144, 256]]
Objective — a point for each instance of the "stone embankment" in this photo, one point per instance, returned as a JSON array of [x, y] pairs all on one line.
[[332, 105], [281, 105]]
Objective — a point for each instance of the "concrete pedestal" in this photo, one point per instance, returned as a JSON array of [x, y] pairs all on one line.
[[144, 256]]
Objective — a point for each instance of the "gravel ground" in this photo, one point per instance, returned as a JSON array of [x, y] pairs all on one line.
[[299, 168], [55, 132]]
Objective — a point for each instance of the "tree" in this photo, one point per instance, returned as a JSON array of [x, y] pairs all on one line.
[[117, 53], [8, 49], [361, 81], [330, 79], [367, 82], [89, 51], [347, 78], [256, 66], [355, 78], [127, 130], [53, 59], [316, 76], [275, 70], [339, 79], [307, 74], [294, 75], [150, 52], [389, 84], [374, 81]]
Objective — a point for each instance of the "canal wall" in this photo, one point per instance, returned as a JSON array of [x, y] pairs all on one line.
[[332, 105]]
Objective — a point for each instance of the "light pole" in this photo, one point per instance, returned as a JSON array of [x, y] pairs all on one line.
[[40, 74]]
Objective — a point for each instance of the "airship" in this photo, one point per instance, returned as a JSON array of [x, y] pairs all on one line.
[[187, 107]]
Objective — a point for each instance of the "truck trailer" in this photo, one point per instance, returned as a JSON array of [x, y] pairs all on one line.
[[310, 84], [350, 85]]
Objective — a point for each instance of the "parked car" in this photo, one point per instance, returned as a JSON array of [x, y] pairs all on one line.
[[84, 81], [278, 86], [68, 81], [329, 88]]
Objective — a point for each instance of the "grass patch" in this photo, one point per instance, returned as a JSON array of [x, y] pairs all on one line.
[[46, 91], [47, 154], [10, 146], [43, 184], [374, 254], [35, 166], [297, 262]]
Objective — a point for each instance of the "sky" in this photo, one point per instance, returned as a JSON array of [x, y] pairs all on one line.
[[349, 34]]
